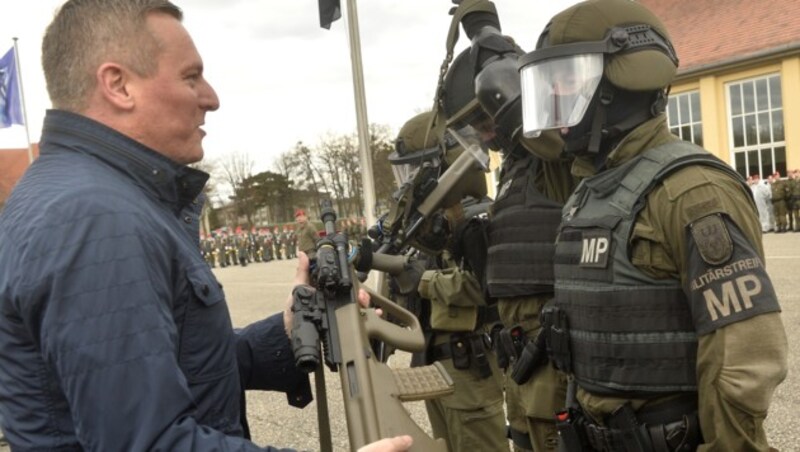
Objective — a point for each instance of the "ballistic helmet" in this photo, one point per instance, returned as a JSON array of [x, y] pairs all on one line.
[[459, 103], [608, 56], [416, 143], [423, 141]]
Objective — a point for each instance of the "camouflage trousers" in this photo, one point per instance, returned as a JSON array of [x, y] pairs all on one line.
[[531, 406]]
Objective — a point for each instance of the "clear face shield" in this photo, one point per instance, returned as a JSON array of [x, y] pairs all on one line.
[[404, 173], [556, 92], [559, 82], [472, 140]]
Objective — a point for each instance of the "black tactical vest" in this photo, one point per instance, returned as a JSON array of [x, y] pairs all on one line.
[[628, 333], [521, 233]]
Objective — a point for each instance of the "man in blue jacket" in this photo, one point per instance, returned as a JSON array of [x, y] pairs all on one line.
[[115, 334]]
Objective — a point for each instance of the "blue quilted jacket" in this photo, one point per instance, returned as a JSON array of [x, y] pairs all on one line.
[[115, 334]]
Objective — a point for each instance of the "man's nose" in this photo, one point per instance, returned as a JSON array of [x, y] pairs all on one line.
[[209, 99]]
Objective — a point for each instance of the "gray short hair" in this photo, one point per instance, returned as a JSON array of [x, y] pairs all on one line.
[[86, 33]]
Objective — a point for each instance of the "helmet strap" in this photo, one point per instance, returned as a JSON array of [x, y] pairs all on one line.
[[626, 109], [605, 98], [638, 116]]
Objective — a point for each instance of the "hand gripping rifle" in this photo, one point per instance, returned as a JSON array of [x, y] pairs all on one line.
[[373, 393]]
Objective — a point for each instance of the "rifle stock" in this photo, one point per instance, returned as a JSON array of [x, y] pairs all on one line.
[[373, 392]]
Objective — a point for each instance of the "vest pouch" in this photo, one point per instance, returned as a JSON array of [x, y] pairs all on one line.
[[453, 318], [454, 296]]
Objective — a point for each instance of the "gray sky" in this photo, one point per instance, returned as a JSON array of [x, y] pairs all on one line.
[[280, 77]]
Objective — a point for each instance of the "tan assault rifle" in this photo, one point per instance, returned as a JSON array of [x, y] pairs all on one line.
[[373, 393]]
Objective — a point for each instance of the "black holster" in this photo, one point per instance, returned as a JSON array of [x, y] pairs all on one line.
[[627, 431], [509, 345], [533, 356], [556, 326]]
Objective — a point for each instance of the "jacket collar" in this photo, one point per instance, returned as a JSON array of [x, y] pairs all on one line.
[[173, 183], [648, 135]]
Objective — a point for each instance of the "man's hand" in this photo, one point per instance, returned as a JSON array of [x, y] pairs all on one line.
[[301, 277], [396, 444]]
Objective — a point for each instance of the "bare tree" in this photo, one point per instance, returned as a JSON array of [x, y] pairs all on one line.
[[310, 172], [382, 144], [285, 164], [334, 167], [236, 167], [334, 153]]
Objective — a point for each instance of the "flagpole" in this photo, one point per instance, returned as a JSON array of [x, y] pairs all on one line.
[[376, 280], [22, 98], [367, 176]]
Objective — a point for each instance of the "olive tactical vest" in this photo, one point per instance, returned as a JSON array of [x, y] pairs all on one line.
[[521, 233], [628, 333]]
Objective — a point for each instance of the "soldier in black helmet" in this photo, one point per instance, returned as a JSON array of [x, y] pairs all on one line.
[[446, 297], [482, 90], [665, 318]]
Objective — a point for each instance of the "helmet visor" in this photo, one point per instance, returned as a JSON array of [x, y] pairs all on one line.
[[471, 140], [405, 163], [556, 92]]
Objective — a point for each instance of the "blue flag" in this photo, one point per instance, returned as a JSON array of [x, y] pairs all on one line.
[[10, 110]]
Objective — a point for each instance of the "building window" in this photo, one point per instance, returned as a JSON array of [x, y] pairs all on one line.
[[683, 116], [755, 110]]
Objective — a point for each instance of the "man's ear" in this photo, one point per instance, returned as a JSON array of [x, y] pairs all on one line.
[[112, 84]]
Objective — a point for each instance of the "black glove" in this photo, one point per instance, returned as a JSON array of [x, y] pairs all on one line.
[[470, 246]]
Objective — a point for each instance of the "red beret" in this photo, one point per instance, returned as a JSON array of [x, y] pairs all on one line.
[[299, 212]]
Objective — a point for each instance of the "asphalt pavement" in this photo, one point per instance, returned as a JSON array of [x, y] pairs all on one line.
[[261, 289]]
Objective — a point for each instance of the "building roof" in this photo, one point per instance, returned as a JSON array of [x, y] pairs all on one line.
[[13, 163], [709, 33]]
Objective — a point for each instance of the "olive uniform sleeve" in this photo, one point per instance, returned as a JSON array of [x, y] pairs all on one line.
[[701, 226]]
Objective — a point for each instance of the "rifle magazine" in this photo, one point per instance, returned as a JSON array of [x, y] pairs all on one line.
[[422, 383]]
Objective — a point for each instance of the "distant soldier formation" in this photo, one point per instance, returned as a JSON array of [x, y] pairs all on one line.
[[778, 201], [227, 246]]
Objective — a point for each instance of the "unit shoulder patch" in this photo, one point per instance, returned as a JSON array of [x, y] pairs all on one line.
[[713, 239]]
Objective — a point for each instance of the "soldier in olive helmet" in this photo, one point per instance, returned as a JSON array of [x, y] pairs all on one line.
[[515, 261], [665, 317], [448, 299]]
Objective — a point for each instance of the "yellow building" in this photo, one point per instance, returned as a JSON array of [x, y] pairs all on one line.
[[737, 92]]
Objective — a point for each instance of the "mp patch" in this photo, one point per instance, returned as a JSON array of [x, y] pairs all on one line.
[[595, 248], [713, 239], [734, 291]]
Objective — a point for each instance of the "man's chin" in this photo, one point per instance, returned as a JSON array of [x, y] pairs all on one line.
[[193, 157]]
